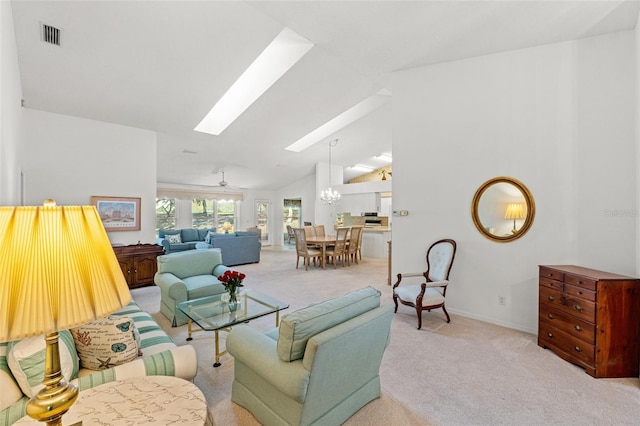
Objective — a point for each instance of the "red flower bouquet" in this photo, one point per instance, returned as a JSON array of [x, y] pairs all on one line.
[[231, 280]]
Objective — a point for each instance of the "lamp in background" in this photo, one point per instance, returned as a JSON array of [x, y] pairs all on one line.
[[514, 211], [329, 195], [57, 271], [227, 227]]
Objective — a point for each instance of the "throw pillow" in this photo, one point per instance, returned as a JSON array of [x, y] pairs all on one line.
[[106, 342], [26, 361], [10, 390], [174, 238], [209, 236], [298, 327]]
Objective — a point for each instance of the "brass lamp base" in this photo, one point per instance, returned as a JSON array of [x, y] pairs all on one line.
[[50, 404]]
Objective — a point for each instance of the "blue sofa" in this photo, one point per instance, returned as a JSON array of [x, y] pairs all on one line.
[[237, 248]]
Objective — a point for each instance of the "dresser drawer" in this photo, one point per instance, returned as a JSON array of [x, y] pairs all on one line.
[[576, 350], [579, 307], [581, 292], [579, 281], [549, 283], [551, 274], [583, 330], [575, 306]]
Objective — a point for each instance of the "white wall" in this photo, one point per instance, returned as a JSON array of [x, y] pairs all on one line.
[[70, 159], [637, 158], [560, 118], [303, 189], [10, 110]]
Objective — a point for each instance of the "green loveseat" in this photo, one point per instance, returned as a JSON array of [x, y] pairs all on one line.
[[319, 367], [186, 276]]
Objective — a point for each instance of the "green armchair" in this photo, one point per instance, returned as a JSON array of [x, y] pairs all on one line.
[[319, 367], [186, 276]]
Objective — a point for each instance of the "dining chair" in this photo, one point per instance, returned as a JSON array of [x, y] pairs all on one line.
[[319, 230], [303, 251], [354, 243], [339, 251], [291, 236], [308, 231], [430, 294]]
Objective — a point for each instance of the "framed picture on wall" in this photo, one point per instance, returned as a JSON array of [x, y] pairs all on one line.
[[118, 213]]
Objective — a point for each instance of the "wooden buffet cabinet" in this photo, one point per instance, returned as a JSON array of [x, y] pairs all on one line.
[[138, 263], [590, 318]]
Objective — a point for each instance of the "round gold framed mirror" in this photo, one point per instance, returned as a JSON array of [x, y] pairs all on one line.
[[503, 209]]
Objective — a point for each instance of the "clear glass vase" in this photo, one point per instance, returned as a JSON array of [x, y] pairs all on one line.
[[233, 301]]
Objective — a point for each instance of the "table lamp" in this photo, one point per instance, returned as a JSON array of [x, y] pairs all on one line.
[[57, 271], [514, 211], [227, 227]]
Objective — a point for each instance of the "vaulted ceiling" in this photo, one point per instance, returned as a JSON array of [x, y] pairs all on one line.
[[161, 65]]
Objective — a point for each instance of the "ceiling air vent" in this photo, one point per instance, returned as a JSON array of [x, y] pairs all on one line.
[[50, 34]]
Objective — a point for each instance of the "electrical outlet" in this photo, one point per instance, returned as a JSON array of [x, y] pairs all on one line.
[[501, 301]]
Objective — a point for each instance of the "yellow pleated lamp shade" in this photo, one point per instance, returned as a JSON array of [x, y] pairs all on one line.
[[514, 211], [57, 270]]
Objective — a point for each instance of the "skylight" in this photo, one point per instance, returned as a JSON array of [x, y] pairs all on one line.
[[385, 157], [362, 168], [275, 60], [349, 116]]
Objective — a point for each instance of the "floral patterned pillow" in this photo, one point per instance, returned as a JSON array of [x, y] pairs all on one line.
[[174, 238]]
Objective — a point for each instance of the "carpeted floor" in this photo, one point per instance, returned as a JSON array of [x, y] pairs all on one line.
[[462, 373]]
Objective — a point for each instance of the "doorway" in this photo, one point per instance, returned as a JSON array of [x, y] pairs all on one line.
[[291, 217], [263, 208]]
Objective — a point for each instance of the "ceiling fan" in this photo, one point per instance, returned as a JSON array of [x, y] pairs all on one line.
[[223, 183]]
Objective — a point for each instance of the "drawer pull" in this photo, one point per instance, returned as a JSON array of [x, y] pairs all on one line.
[[577, 348], [551, 298], [579, 293], [549, 334], [578, 328], [551, 316], [578, 308]]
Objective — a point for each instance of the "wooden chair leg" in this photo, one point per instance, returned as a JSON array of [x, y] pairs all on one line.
[[446, 314]]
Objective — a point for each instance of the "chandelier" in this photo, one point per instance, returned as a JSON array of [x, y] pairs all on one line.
[[330, 195]]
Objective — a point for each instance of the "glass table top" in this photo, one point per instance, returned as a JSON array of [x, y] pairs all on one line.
[[212, 313]]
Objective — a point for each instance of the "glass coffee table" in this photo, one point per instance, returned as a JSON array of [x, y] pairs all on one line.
[[212, 313]]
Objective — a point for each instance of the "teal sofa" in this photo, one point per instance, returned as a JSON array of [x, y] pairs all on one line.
[[186, 276], [319, 367], [238, 248]]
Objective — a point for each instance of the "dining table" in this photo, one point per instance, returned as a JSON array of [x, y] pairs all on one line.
[[323, 242]]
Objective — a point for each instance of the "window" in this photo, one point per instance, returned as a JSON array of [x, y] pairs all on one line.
[[214, 214], [165, 213], [226, 214]]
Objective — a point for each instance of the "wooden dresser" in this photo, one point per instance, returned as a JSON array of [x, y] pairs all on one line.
[[138, 263], [590, 318]]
